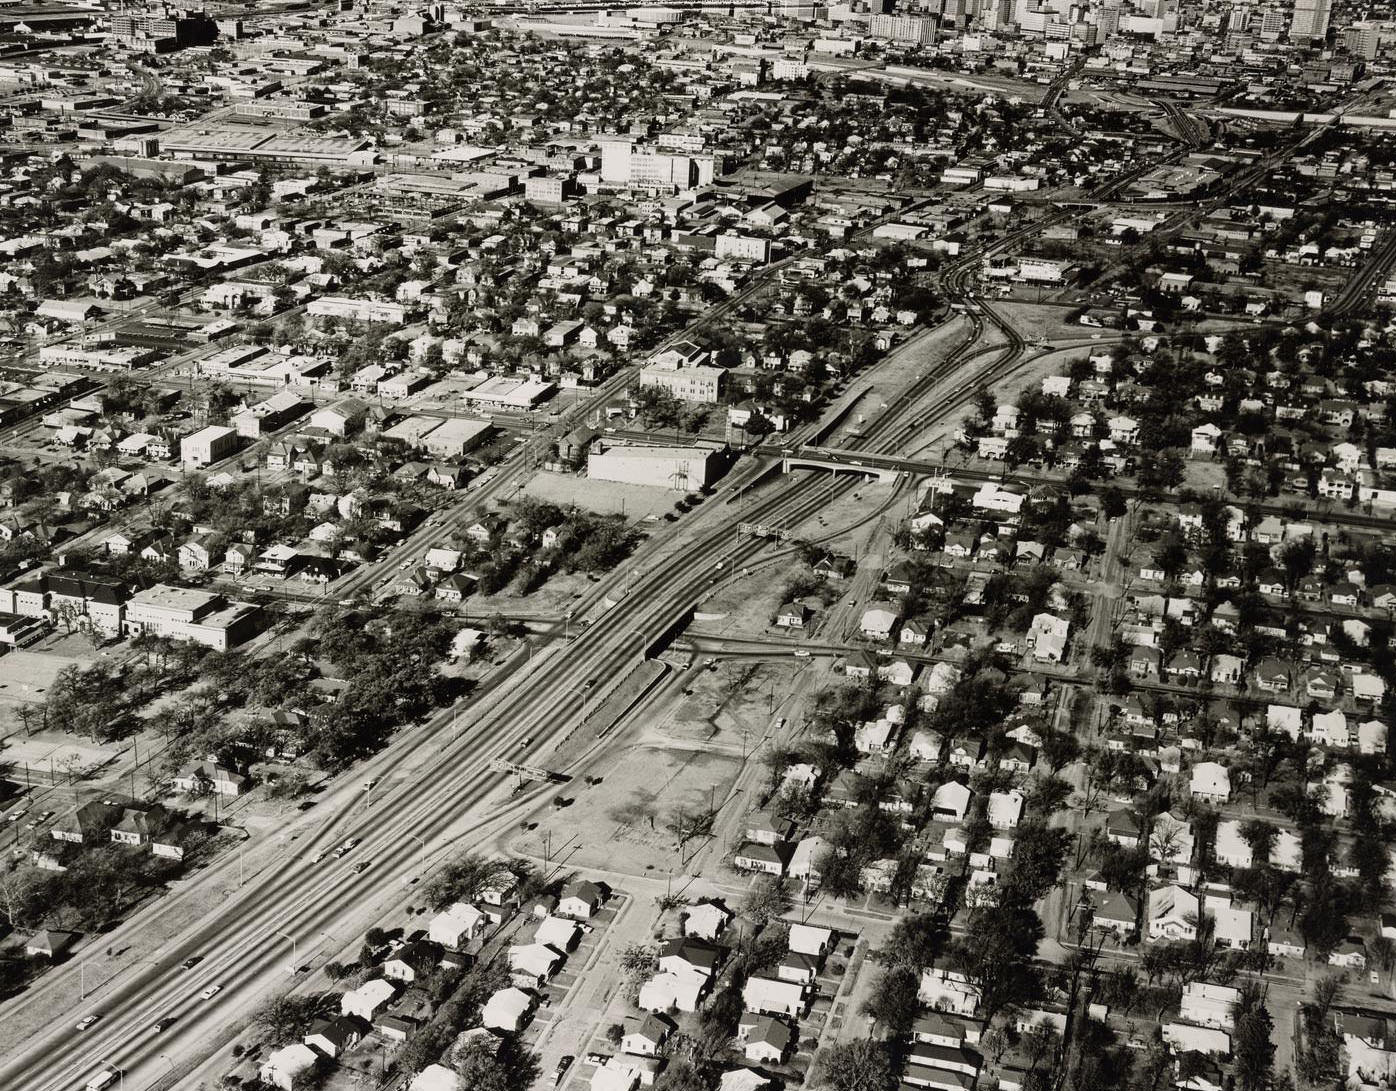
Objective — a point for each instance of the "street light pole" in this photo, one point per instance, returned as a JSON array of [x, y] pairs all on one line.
[[422, 853], [287, 935]]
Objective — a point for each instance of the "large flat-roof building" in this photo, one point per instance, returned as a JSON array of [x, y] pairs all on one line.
[[682, 468], [208, 445], [184, 613]]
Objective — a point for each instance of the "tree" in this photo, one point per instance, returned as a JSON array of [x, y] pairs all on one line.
[[1252, 1044], [462, 880], [284, 1016], [765, 901], [1112, 502], [994, 955], [913, 943], [894, 1002], [857, 1066]]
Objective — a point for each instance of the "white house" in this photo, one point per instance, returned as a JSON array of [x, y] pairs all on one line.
[[508, 1010], [1172, 913], [948, 990], [457, 926], [288, 1066], [771, 996], [367, 999], [1005, 809], [1209, 1005], [1211, 782]]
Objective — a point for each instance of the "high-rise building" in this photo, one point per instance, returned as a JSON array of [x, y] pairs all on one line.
[[903, 29], [1310, 22], [1363, 39]]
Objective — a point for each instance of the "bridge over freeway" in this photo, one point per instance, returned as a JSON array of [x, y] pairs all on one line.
[[809, 456]]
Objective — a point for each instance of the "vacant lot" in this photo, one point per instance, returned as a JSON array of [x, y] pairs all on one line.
[[604, 497]]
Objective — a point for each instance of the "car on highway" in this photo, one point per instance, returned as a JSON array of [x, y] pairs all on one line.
[[802, 653], [105, 1077], [210, 992], [163, 1024], [87, 1020], [318, 857], [348, 846], [362, 866], [190, 962]]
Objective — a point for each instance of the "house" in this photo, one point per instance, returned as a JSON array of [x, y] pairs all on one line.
[[1283, 940], [1350, 953], [1209, 1005], [706, 921], [1172, 913], [1272, 675], [948, 991], [411, 961], [1369, 1043], [436, 1077], [809, 939], [771, 996], [334, 1036], [559, 933], [533, 963], [1211, 782], [367, 999], [689, 957], [50, 944], [767, 1040], [792, 615], [580, 900], [457, 926], [289, 1067], [879, 619], [767, 859], [765, 828], [1226, 669], [201, 777], [951, 802], [1005, 809], [1115, 912], [1123, 828], [645, 1037], [672, 992], [1232, 849], [508, 1010]]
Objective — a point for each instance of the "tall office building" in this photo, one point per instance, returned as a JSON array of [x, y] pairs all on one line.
[[1310, 22], [1363, 39]]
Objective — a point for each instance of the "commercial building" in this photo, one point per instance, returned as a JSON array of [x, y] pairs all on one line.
[[1310, 21], [208, 445], [358, 310], [183, 613], [269, 414], [97, 357], [903, 29], [455, 436], [626, 164], [506, 393], [684, 468], [699, 383]]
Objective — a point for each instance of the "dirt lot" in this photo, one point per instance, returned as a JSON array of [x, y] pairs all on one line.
[[26, 675], [606, 497], [682, 752]]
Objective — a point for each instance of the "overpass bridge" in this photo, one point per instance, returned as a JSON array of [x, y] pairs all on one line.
[[811, 456]]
